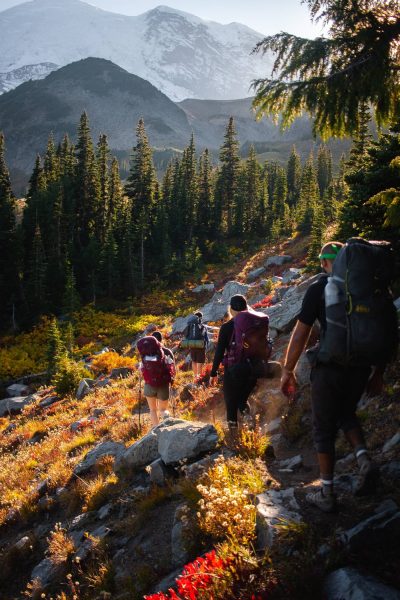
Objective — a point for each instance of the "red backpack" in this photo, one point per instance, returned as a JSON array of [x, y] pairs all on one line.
[[157, 370], [250, 341]]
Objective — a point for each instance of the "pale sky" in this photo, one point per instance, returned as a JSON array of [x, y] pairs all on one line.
[[265, 16]]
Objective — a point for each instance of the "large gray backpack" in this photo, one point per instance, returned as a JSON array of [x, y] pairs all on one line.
[[361, 319]]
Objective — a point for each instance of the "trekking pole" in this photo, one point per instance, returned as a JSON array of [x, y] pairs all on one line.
[[140, 401]]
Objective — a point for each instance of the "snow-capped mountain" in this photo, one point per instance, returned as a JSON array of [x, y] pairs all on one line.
[[179, 53]]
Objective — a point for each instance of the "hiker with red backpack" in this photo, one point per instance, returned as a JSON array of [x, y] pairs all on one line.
[[158, 369], [196, 339], [358, 336], [244, 348]]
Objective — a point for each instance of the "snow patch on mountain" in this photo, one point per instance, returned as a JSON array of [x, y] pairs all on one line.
[[181, 54], [10, 80]]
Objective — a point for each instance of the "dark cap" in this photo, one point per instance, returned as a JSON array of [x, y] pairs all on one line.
[[238, 302], [157, 335], [198, 314]]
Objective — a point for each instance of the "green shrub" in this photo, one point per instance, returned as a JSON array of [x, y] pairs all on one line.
[[68, 376]]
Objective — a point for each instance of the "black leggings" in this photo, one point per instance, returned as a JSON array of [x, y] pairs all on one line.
[[237, 388]]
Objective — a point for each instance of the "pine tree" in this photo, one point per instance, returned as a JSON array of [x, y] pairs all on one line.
[[309, 195], [55, 348], [324, 169], [8, 243], [206, 200], [36, 276], [103, 159], [71, 300], [229, 172], [316, 237], [293, 174], [140, 189]]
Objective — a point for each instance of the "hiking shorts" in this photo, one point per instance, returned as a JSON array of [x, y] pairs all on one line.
[[335, 393], [198, 355], [161, 392]]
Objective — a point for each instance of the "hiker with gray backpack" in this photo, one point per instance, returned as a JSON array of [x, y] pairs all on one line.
[[244, 349], [358, 336], [196, 340]]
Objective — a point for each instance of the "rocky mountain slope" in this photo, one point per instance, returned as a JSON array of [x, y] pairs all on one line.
[[179, 53], [88, 490]]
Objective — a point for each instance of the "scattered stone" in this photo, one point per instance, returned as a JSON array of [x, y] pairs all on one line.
[[101, 532], [79, 520], [274, 425], [109, 448], [48, 401], [390, 444], [46, 573], [102, 383], [276, 279], [255, 273], [348, 584], [278, 261], [76, 537], [381, 528], [291, 463], [185, 440], [17, 390], [104, 511], [291, 275], [141, 453], [15, 405], [273, 506], [121, 373], [98, 412], [23, 545], [158, 472], [84, 388], [205, 287], [179, 551]]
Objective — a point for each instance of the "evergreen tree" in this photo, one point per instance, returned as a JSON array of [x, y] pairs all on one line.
[[228, 178], [55, 348], [36, 276], [309, 195], [103, 159], [71, 300], [206, 200], [293, 174], [324, 169], [140, 189], [316, 237], [8, 244]]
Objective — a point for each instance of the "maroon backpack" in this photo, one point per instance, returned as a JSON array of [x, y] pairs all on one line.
[[250, 341], [157, 371]]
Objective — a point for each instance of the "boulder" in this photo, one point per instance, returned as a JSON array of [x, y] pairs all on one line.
[[46, 402], [278, 261], [273, 506], [383, 527], [84, 388], [158, 472], [141, 453], [283, 315], [348, 584], [13, 406], [104, 511], [179, 325], [390, 444], [291, 463], [290, 275], [185, 440], [114, 449], [205, 287], [17, 389], [252, 275], [120, 373], [47, 573], [274, 425]]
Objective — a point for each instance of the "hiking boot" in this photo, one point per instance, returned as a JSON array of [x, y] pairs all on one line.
[[367, 479], [326, 503]]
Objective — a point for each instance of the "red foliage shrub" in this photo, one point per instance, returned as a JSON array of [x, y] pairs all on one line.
[[264, 303]]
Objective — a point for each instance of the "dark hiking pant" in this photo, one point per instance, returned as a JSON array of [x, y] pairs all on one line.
[[335, 393], [238, 385]]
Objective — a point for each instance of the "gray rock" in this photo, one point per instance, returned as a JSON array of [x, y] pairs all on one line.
[[48, 401], [120, 373], [101, 532], [84, 388], [291, 463], [114, 449], [46, 573], [194, 470], [290, 275], [141, 453], [274, 425], [392, 469], [79, 520], [102, 383], [17, 390], [273, 506], [276, 279], [24, 544], [158, 472], [349, 584], [179, 552], [205, 287], [381, 528], [252, 275], [185, 440], [390, 444], [397, 304], [104, 511], [283, 315], [278, 261], [179, 325], [13, 406]]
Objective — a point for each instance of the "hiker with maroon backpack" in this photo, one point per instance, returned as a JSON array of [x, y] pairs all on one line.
[[158, 369], [244, 348], [358, 323]]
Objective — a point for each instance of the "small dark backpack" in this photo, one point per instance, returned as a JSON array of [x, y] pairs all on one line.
[[157, 370], [194, 329], [361, 319], [250, 342]]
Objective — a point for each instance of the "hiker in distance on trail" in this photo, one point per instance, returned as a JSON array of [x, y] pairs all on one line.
[[196, 339], [158, 369], [244, 349], [358, 337]]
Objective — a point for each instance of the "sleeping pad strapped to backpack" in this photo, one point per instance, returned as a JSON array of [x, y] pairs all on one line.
[[361, 319], [250, 344], [158, 369]]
